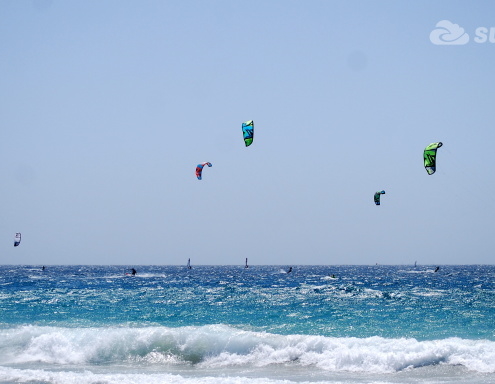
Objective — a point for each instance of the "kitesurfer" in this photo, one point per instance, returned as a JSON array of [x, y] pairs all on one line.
[[133, 272], [436, 269], [290, 270]]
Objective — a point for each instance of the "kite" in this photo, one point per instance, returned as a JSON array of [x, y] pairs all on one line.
[[430, 157], [248, 132], [199, 169], [17, 240], [377, 197]]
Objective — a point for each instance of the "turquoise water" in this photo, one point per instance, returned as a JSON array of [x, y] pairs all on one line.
[[383, 324]]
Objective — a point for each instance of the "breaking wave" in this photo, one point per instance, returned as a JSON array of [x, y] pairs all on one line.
[[221, 346]]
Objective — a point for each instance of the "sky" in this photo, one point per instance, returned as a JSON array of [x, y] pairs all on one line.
[[106, 108]]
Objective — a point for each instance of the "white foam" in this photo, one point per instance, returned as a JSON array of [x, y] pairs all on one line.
[[217, 346], [329, 278], [10, 375], [429, 292]]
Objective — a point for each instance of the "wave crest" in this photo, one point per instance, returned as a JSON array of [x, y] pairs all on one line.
[[216, 346]]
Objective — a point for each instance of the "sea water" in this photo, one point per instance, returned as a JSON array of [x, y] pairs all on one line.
[[230, 324]]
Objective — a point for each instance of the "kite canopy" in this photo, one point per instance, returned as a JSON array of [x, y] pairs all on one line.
[[248, 132], [17, 239], [199, 169], [430, 157], [377, 197]]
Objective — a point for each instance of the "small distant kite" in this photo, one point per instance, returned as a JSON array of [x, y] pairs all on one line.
[[248, 132], [377, 197], [430, 157], [17, 239], [199, 169]]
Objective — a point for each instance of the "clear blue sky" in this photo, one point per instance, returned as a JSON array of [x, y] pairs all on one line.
[[106, 107]]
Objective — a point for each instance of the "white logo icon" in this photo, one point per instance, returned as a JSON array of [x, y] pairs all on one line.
[[448, 33]]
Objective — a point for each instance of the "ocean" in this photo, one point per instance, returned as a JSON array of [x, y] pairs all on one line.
[[230, 324]]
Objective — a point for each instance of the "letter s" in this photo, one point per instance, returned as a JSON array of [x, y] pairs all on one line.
[[481, 35]]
